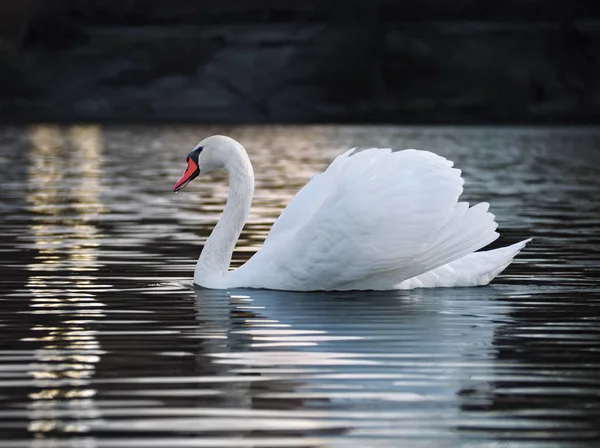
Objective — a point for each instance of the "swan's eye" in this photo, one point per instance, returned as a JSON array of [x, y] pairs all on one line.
[[195, 154]]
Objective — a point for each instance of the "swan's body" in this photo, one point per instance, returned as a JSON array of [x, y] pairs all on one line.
[[375, 219]]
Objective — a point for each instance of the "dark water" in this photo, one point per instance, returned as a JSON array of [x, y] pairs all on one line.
[[104, 342]]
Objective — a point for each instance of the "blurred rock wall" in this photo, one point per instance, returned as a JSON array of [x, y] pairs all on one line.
[[193, 61]]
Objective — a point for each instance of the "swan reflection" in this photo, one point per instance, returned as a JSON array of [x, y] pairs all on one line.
[[355, 350], [402, 357]]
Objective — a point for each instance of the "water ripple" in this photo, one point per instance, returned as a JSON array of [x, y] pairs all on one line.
[[105, 342]]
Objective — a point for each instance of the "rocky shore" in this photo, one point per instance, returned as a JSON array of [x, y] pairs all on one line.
[[372, 70]]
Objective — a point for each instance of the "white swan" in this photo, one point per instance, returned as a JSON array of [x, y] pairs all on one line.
[[375, 219]]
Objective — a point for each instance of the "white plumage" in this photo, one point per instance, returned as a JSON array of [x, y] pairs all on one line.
[[375, 219]]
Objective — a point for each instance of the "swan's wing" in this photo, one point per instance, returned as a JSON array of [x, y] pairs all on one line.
[[380, 212], [307, 202]]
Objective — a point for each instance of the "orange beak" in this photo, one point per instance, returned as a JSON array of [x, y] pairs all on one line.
[[190, 173]]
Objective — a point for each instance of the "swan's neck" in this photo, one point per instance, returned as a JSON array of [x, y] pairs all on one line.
[[216, 255]]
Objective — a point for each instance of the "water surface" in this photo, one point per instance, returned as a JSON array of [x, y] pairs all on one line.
[[104, 342]]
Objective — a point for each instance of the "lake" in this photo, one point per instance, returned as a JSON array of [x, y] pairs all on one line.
[[105, 342]]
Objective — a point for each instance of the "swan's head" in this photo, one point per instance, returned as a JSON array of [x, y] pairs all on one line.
[[210, 154]]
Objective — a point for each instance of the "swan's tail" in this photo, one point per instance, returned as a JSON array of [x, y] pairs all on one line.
[[476, 269], [486, 265], [467, 230]]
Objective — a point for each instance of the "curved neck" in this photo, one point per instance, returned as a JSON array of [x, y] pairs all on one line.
[[215, 258]]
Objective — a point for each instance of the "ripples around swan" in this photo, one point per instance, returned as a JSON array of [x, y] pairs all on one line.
[[104, 341]]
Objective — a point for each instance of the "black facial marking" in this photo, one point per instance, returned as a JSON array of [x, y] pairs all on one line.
[[194, 154]]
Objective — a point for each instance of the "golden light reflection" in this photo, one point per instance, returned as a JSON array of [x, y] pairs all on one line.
[[64, 198]]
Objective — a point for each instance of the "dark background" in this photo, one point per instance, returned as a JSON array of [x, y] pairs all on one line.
[[226, 61]]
